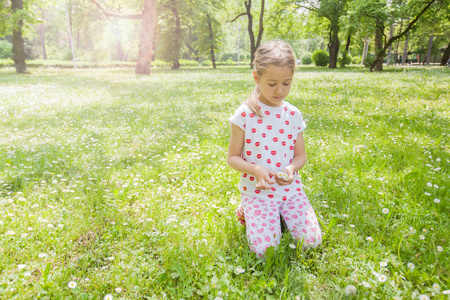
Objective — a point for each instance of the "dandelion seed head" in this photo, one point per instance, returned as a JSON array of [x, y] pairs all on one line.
[[350, 290]]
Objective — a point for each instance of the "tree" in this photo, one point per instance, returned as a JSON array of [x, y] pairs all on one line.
[[415, 11], [254, 44], [19, 54], [208, 29], [148, 19], [170, 36]]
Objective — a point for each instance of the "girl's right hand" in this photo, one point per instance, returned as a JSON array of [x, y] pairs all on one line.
[[264, 178]]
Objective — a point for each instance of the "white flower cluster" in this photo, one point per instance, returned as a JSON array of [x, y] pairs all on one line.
[[282, 175]]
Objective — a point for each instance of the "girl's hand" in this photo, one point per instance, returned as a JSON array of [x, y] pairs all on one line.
[[289, 170], [264, 178]]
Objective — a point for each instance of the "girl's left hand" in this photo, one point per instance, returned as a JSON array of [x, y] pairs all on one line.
[[290, 172]]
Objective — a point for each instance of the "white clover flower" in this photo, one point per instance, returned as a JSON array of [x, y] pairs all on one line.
[[385, 211], [108, 297], [411, 266], [72, 284]]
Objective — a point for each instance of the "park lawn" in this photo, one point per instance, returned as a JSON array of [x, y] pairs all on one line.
[[113, 185]]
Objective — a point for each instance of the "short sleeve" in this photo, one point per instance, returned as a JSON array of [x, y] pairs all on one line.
[[301, 123], [238, 118]]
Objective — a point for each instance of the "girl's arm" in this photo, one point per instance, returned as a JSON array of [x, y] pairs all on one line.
[[297, 163], [235, 160]]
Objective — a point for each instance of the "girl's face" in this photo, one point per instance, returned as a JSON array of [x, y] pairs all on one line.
[[274, 84]]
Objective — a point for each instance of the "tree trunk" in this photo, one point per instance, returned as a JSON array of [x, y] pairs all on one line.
[[388, 59], [42, 34], [69, 25], [446, 55], [430, 46], [405, 51], [19, 55], [365, 50], [248, 7], [379, 44], [254, 44], [211, 41], [145, 53], [176, 36], [334, 46]]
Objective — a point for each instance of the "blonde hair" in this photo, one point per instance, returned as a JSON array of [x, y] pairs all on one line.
[[273, 53]]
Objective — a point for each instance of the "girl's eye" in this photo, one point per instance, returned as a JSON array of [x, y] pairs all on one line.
[[271, 84], [286, 84]]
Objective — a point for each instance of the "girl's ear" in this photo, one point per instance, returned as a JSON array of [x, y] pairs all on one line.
[[255, 77]]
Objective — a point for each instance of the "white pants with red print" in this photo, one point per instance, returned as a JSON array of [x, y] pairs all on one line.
[[263, 222]]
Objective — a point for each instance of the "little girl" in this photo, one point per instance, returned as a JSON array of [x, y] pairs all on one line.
[[266, 146]]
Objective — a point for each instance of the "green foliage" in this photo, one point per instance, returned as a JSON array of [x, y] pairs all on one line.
[[344, 59], [320, 58], [5, 49], [307, 58], [206, 63], [369, 60], [188, 63], [356, 60]]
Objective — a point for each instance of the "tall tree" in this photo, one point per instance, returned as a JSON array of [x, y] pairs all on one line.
[[171, 37], [148, 19], [19, 55], [208, 28], [332, 10], [254, 43], [416, 9]]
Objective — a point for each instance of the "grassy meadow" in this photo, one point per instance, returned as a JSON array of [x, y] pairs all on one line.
[[114, 186]]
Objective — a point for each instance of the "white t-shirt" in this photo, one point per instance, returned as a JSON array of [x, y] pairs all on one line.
[[269, 142]]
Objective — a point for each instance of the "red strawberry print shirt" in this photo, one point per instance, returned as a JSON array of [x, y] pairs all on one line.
[[269, 142]]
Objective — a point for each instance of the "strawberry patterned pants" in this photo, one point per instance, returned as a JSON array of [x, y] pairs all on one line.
[[263, 222]]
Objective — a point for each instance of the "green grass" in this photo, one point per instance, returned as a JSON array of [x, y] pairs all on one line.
[[115, 181]]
